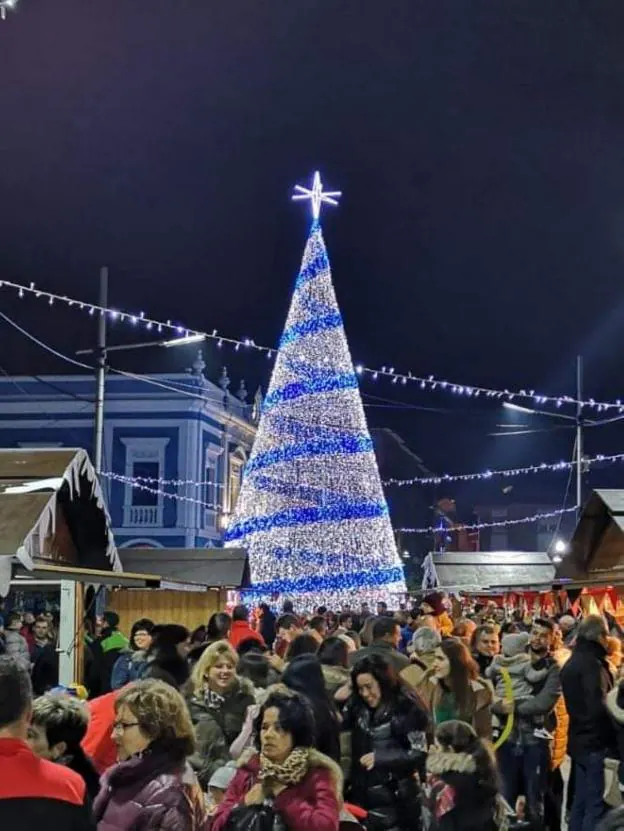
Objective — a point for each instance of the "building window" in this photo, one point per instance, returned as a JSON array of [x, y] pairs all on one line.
[[235, 484], [145, 467], [147, 474], [237, 463]]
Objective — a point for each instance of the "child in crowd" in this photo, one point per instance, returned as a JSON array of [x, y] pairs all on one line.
[[515, 663]]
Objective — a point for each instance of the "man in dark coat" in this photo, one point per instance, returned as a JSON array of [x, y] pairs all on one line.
[[586, 682], [386, 641]]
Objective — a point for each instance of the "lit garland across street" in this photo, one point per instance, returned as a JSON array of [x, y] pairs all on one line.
[[429, 382], [311, 511]]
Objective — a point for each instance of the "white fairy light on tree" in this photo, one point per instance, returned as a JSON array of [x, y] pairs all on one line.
[[311, 512]]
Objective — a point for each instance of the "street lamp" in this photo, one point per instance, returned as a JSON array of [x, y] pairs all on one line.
[[577, 419], [559, 549]]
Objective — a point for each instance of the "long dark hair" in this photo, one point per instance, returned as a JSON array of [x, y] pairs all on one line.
[[392, 686], [304, 675], [463, 670]]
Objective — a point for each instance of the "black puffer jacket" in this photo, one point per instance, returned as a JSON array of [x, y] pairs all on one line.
[[396, 732]]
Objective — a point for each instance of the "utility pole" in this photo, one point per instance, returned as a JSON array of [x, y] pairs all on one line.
[[98, 439], [579, 437]]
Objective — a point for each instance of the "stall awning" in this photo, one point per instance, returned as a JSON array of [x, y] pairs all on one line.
[[220, 568], [124, 579], [488, 571]]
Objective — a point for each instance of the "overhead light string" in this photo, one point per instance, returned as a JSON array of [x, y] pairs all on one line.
[[429, 382]]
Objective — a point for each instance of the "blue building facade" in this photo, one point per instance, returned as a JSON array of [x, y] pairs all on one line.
[[173, 453]]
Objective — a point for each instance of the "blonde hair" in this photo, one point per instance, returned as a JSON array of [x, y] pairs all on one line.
[[218, 651], [161, 712]]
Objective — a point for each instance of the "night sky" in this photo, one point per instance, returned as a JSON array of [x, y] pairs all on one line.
[[479, 145]]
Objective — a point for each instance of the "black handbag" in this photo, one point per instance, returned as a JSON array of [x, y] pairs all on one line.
[[251, 818]]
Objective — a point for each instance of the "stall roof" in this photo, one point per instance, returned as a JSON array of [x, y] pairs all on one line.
[[596, 553], [212, 567], [488, 571], [52, 512]]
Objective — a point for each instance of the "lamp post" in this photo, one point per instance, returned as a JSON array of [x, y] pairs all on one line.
[[102, 352], [579, 422]]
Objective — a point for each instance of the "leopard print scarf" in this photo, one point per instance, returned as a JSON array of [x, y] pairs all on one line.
[[290, 772]]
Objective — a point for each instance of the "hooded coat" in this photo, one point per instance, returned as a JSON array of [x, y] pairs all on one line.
[[218, 720], [156, 791], [311, 805], [458, 799]]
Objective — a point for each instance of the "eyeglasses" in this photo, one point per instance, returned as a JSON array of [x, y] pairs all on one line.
[[122, 726]]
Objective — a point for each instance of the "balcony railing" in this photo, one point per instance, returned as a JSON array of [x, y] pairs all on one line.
[[143, 516]]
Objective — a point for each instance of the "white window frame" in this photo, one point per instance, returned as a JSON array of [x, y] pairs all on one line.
[[211, 456], [143, 449], [237, 461]]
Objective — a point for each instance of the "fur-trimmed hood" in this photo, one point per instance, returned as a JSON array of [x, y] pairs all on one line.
[[250, 759], [615, 711], [440, 762]]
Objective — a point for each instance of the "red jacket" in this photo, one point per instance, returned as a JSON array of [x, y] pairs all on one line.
[[32, 788], [311, 805], [242, 631], [98, 742]]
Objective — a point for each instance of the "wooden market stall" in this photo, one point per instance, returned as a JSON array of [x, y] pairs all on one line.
[[495, 572], [592, 572], [194, 583], [55, 535]]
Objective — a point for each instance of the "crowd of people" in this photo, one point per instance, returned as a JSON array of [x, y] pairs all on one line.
[[393, 721]]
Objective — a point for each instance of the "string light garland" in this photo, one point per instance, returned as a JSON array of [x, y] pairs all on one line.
[[134, 483], [304, 329], [315, 558], [542, 467], [508, 473], [311, 511], [479, 526]]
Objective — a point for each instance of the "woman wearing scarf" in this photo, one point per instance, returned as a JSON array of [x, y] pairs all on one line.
[[218, 707], [303, 786], [153, 786]]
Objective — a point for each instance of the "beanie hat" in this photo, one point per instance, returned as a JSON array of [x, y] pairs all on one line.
[[436, 601], [111, 619], [567, 620], [515, 644], [144, 624]]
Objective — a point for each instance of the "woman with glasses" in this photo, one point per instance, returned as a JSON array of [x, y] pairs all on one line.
[[153, 786]]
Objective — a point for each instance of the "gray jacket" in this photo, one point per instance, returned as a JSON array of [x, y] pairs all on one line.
[[16, 647], [538, 708]]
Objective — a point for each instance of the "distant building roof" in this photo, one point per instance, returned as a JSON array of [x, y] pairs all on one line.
[[211, 567], [488, 571]]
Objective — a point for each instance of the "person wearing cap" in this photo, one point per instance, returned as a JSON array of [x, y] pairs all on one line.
[[432, 605], [105, 652], [568, 627]]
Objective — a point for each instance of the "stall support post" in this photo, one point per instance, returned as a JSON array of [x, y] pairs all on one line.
[[70, 634]]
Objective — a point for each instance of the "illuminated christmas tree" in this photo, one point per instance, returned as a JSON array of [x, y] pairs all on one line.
[[311, 511]]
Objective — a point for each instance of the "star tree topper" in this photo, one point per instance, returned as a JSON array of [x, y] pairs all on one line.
[[316, 195]]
